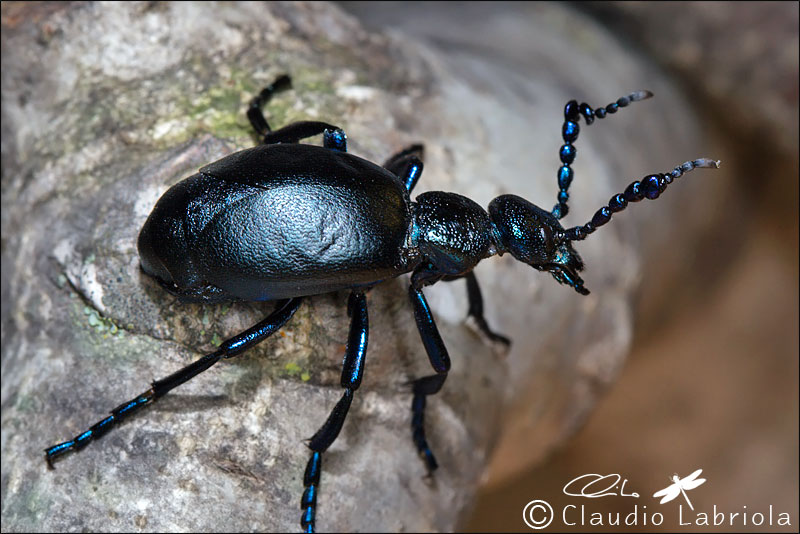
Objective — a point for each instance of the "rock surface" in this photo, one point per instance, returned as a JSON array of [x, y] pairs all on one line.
[[107, 105]]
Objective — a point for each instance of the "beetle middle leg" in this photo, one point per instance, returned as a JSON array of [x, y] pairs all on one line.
[[352, 374], [333, 136], [254, 113], [284, 311]]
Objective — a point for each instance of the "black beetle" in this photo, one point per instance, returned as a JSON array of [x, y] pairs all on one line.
[[284, 220]]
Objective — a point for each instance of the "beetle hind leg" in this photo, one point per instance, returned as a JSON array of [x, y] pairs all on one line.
[[352, 374], [229, 348]]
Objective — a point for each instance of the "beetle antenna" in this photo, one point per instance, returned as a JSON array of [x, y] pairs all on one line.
[[569, 132], [649, 187]]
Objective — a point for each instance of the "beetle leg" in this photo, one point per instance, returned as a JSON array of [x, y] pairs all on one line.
[[233, 346], [475, 311], [423, 387], [254, 113], [410, 172], [334, 137], [407, 165], [352, 373], [294, 132], [440, 361], [417, 150]]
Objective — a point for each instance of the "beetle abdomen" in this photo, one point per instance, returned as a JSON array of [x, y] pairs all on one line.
[[310, 220]]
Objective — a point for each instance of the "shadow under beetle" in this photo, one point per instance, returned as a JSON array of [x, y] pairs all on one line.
[[284, 220]]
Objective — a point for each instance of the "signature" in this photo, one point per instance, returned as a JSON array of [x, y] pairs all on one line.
[[595, 486]]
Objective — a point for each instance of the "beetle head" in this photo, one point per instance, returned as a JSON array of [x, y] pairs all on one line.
[[534, 236]]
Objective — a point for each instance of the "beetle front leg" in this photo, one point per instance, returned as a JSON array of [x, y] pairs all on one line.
[[440, 361], [352, 374], [232, 347]]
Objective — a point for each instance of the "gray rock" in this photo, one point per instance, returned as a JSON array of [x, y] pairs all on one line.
[[107, 105]]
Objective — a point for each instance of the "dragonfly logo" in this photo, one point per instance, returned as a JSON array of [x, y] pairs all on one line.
[[680, 486]]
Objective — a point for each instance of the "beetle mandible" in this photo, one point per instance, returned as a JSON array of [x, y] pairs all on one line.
[[283, 220]]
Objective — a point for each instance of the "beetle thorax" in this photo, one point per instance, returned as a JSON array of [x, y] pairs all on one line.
[[452, 231]]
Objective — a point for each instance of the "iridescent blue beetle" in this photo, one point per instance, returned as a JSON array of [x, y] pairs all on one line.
[[283, 220]]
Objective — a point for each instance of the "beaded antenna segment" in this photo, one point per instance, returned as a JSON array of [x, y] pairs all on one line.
[[649, 187]]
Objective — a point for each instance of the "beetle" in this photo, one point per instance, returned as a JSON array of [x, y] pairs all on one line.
[[282, 221]]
